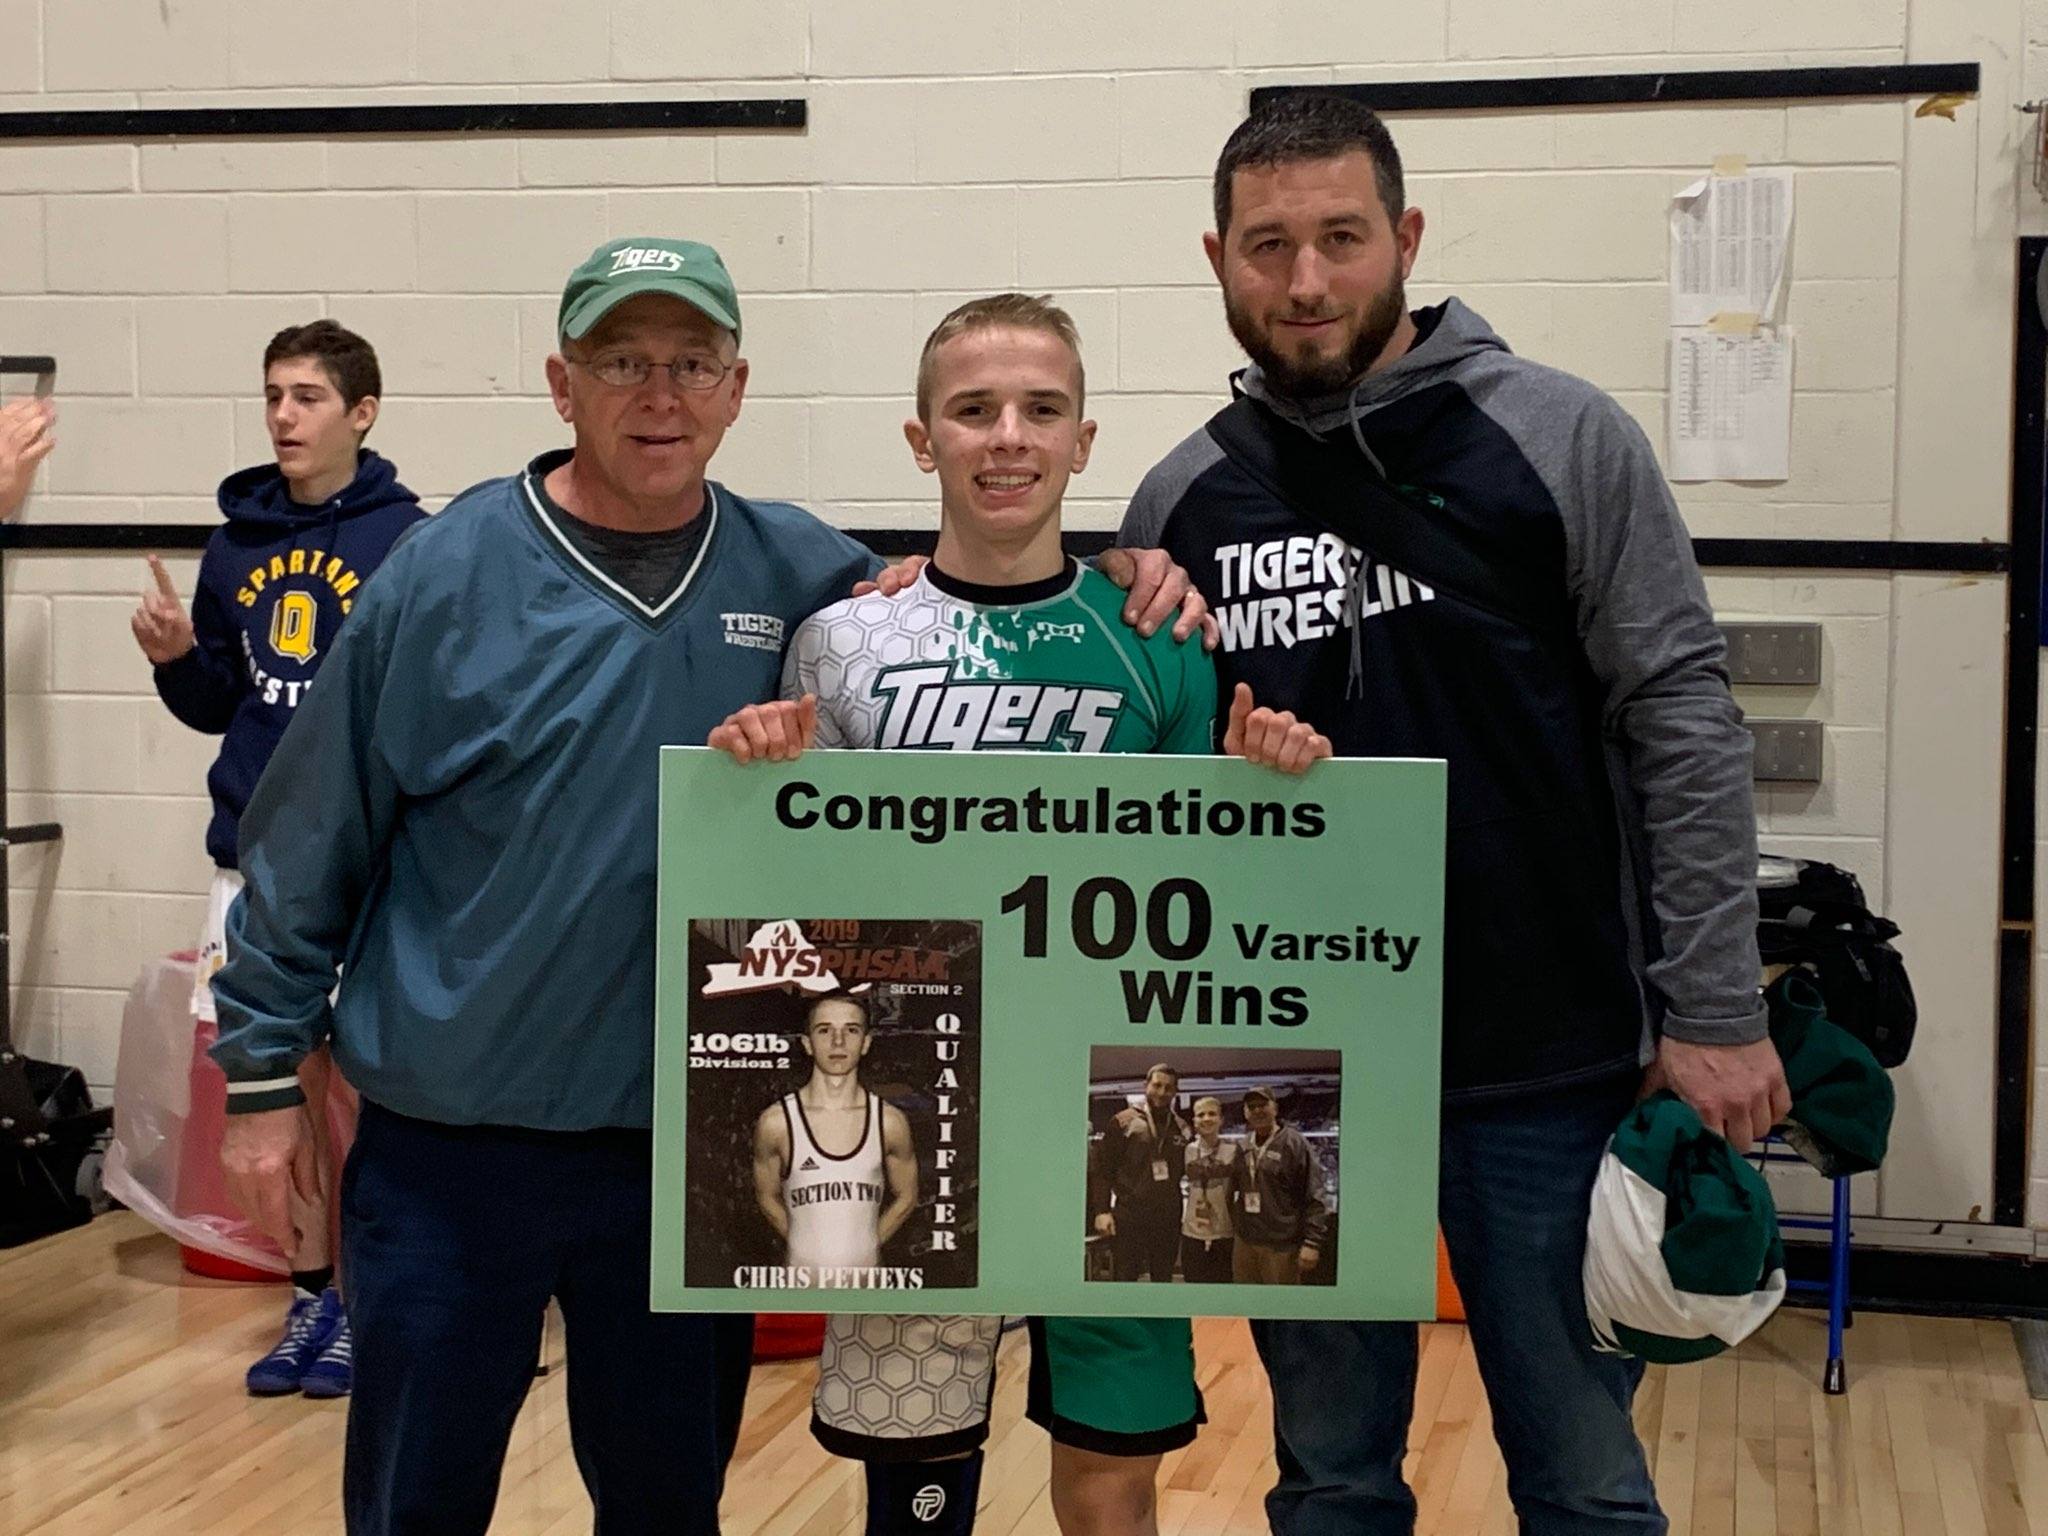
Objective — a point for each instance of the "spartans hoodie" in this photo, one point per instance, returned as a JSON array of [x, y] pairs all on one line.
[[1601, 853], [275, 584]]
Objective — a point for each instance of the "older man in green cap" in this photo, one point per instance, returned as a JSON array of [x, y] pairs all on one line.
[[464, 812]]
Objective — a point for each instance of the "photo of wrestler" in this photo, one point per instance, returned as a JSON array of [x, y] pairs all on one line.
[[833, 1091]]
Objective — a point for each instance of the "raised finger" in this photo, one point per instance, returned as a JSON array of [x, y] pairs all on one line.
[[1240, 711]]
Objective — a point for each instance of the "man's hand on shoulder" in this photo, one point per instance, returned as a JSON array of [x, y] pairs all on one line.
[[773, 733], [892, 579], [1738, 1091], [1157, 587], [1272, 738]]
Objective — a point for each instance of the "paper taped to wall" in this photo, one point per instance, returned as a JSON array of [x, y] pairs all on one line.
[[1730, 412], [1729, 239]]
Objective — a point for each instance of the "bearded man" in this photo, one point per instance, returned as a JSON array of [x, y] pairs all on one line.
[[1433, 548]]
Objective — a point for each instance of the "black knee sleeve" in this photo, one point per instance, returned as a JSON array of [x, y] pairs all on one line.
[[923, 1498]]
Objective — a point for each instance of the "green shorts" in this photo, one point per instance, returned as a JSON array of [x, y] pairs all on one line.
[[918, 1388], [1124, 1386]]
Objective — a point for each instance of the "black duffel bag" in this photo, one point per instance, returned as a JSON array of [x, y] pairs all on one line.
[[46, 1187], [1813, 914]]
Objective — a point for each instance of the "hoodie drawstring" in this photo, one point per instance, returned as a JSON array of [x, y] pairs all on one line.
[[1354, 593]]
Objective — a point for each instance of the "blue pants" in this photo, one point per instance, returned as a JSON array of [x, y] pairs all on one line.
[[1517, 1180], [453, 1239]]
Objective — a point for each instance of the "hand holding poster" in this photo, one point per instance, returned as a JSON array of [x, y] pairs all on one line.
[[1008, 1030]]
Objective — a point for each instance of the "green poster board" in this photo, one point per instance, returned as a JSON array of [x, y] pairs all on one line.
[[907, 1004]]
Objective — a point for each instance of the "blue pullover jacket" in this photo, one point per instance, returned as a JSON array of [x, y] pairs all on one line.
[[463, 815], [274, 585]]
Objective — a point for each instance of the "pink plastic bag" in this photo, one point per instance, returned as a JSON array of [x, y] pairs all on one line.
[[170, 1106]]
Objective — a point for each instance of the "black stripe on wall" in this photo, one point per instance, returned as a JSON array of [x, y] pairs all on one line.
[[1879, 555], [1646, 90], [1870, 555], [1853, 554], [422, 118]]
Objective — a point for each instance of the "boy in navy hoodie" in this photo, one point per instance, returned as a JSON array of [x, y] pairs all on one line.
[[302, 535]]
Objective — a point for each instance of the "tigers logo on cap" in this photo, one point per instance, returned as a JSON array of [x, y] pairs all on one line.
[[636, 258], [619, 269]]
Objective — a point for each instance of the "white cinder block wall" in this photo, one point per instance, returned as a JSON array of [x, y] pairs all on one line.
[[1060, 147]]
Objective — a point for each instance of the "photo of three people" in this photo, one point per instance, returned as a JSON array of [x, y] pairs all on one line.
[[1214, 1166]]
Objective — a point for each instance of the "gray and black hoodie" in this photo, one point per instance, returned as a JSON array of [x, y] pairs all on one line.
[[1601, 867]]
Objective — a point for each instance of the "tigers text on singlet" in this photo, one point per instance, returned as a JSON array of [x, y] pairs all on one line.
[[834, 1203], [932, 671]]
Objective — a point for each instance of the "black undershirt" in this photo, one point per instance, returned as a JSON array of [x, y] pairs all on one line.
[[648, 565], [1003, 596]]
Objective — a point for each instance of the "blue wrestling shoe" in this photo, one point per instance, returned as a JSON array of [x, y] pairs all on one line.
[[307, 1328], [333, 1370]]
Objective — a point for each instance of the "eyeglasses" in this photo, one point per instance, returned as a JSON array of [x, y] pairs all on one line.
[[622, 370]]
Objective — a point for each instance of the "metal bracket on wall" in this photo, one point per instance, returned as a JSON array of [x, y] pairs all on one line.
[[1787, 751], [1777, 654]]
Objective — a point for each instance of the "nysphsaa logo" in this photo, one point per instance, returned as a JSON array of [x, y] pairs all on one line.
[[928, 1502]]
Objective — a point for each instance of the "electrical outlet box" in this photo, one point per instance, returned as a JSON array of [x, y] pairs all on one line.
[[1787, 751], [1784, 654]]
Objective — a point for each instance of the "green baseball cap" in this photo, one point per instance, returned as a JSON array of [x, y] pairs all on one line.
[[614, 272]]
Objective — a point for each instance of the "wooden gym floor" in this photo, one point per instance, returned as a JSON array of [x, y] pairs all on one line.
[[122, 1414]]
